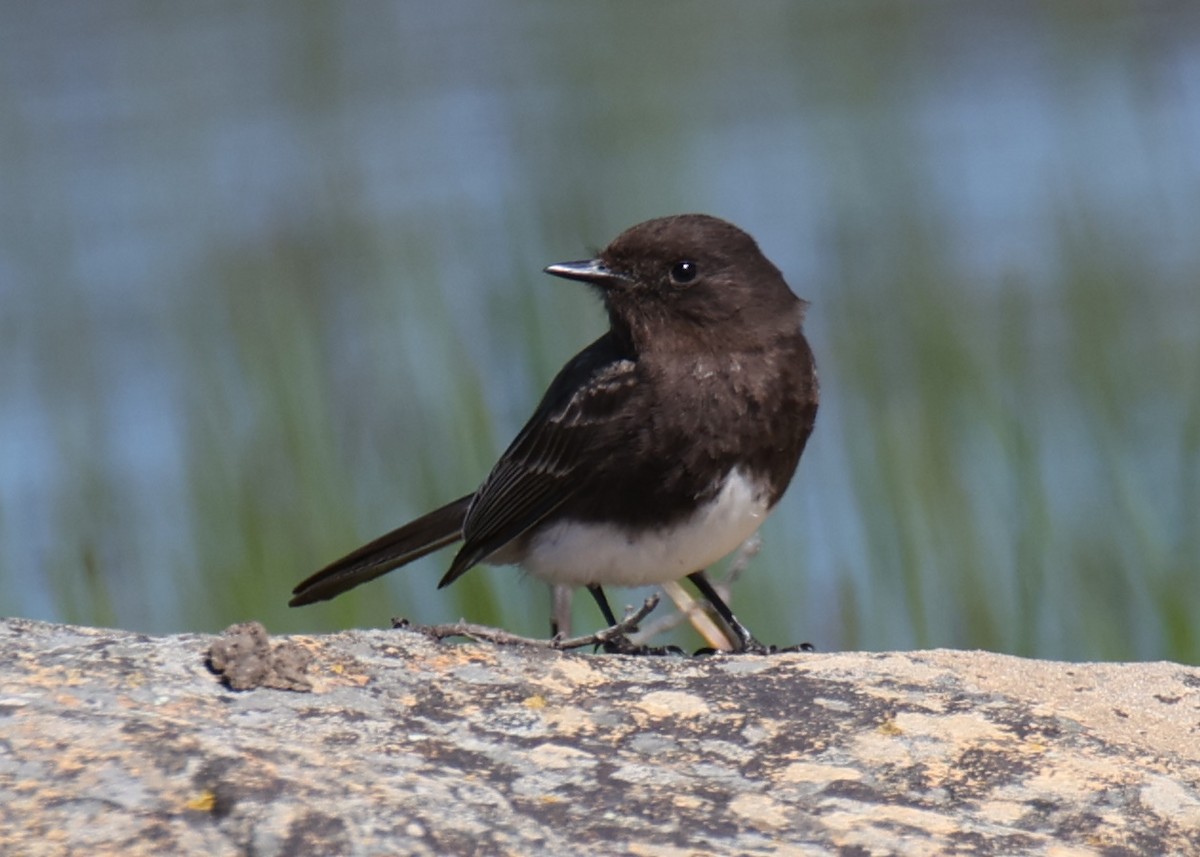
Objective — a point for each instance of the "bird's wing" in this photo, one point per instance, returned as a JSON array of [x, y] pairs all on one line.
[[540, 470]]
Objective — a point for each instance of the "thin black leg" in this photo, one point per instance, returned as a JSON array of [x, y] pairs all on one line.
[[620, 645], [743, 640], [602, 602]]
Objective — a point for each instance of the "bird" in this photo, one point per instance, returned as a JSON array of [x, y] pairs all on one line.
[[657, 449]]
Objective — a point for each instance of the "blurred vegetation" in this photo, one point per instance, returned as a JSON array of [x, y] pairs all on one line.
[[263, 309]]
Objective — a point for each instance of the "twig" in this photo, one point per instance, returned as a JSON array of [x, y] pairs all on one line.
[[504, 638], [741, 560], [688, 609]]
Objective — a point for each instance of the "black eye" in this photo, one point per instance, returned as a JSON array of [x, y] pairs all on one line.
[[683, 273]]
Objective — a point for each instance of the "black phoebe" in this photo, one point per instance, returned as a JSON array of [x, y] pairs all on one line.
[[658, 449]]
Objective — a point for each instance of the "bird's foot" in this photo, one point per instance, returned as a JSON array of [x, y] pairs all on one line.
[[752, 646], [619, 644]]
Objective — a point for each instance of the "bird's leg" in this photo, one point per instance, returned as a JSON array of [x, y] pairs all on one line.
[[602, 603], [620, 645], [743, 641]]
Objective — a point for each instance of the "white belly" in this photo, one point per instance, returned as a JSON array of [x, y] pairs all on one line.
[[580, 554]]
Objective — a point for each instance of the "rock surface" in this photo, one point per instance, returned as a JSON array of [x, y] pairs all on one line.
[[113, 742]]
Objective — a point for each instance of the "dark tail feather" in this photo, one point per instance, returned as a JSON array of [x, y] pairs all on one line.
[[426, 534]]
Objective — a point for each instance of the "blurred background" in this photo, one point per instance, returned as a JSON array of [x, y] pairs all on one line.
[[270, 286]]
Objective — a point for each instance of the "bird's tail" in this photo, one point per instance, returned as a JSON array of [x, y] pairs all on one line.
[[426, 534]]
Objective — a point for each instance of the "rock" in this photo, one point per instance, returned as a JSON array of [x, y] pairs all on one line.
[[114, 742], [245, 658]]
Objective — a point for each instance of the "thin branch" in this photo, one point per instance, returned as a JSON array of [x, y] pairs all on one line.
[[742, 559], [504, 638], [689, 609]]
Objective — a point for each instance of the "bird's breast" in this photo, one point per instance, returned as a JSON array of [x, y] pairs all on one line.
[[579, 552]]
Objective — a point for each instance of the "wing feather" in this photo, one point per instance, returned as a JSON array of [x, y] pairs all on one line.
[[541, 468]]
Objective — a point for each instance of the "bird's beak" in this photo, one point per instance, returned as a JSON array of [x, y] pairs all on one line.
[[590, 271]]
